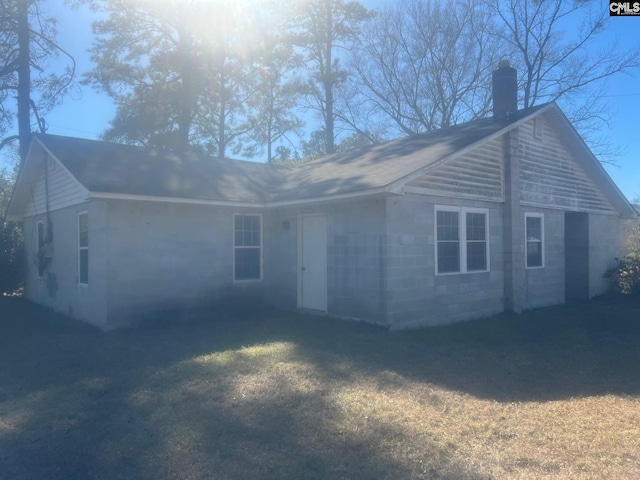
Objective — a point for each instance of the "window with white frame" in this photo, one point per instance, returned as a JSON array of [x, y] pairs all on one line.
[[462, 244], [247, 247], [40, 258], [534, 235], [83, 248]]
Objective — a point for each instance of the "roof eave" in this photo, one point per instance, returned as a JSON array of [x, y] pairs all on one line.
[[243, 203], [185, 200]]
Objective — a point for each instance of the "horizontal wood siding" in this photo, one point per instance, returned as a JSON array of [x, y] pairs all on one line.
[[550, 177], [478, 174], [64, 191]]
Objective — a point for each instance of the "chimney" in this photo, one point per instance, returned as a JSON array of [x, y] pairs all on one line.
[[505, 91]]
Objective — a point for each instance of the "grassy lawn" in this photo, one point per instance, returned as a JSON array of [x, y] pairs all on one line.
[[553, 393]]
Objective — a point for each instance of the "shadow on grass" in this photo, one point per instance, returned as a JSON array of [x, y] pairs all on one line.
[[189, 401], [76, 403]]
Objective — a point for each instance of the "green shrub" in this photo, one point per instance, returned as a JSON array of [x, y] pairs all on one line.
[[626, 275]]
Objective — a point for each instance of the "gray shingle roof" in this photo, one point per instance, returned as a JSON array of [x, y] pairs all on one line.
[[380, 165], [122, 169]]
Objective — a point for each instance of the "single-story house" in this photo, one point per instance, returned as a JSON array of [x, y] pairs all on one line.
[[505, 213]]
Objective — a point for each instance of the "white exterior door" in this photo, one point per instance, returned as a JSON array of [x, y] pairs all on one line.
[[312, 262]]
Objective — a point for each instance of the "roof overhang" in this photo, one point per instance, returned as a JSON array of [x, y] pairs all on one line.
[[241, 204]]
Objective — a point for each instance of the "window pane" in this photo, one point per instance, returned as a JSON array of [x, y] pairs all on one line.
[[534, 254], [247, 265], [247, 231], [448, 257], [534, 229], [447, 226], [83, 230], [84, 266], [476, 226], [476, 256]]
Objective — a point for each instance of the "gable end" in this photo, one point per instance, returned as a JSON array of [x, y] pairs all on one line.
[[478, 174], [551, 175], [30, 193]]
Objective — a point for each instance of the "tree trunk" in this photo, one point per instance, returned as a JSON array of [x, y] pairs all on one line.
[[24, 79]]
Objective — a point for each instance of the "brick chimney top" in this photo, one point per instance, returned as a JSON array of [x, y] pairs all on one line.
[[505, 91]]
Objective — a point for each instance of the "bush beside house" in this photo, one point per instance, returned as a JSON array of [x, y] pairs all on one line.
[[626, 274], [11, 242]]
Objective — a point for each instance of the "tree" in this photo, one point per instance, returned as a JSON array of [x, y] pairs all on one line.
[[27, 42], [223, 122], [320, 28], [275, 95], [423, 64], [555, 66], [357, 140], [11, 250], [315, 147], [147, 61], [177, 82]]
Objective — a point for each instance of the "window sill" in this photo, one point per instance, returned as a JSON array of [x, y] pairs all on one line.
[[450, 274]]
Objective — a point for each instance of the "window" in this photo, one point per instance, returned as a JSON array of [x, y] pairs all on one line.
[[247, 247], [40, 251], [83, 248], [476, 242], [448, 242], [461, 240], [534, 232]]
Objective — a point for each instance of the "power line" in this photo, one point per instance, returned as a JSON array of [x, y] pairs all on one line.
[[622, 95], [74, 129]]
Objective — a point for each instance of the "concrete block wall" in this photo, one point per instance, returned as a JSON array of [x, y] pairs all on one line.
[[416, 295], [281, 255], [546, 286], [356, 235], [58, 288], [356, 260], [175, 259], [604, 243]]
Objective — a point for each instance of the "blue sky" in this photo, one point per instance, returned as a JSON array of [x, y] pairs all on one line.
[[86, 113]]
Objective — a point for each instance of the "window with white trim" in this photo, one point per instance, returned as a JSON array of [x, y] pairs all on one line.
[[247, 247], [39, 251], [462, 240], [534, 238], [83, 248]]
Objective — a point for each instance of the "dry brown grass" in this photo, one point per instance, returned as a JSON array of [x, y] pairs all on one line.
[[550, 394]]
